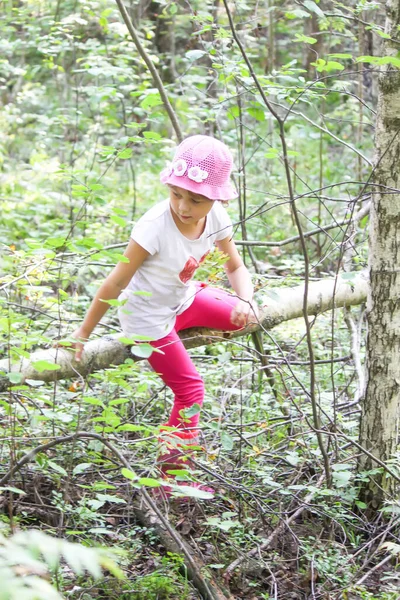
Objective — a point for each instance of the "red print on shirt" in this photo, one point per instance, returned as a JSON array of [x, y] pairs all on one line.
[[203, 258], [190, 267]]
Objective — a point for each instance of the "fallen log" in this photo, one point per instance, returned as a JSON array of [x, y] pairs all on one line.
[[275, 307]]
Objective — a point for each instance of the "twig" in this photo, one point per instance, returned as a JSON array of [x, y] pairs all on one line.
[[375, 568], [285, 523]]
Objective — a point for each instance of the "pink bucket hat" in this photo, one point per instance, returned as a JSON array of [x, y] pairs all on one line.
[[202, 165]]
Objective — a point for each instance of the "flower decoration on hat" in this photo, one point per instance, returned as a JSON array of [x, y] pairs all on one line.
[[196, 174], [167, 171], [179, 167]]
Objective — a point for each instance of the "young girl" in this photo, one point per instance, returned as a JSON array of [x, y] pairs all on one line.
[[167, 245]]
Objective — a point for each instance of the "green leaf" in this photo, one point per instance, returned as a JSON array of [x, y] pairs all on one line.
[[257, 113], [45, 365], [322, 65], [332, 65], [312, 7], [132, 427], [142, 350], [233, 112], [151, 100], [192, 492], [126, 153], [304, 38], [140, 293], [297, 12], [55, 242], [134, 339], [151, 135], [380, 60], [118, 220], [114, 302], [193, 55], [292, 458], [193, 410], [80, 188], [15, 377], [226, 441], [93, 401], [341, 478], [57, 468], [129, 474], [272, 153], [392, 509], [149, 482], [34, 382], [381, 33], [109, 498], [224, 357], [349, 276], [179, 473], [119, 401], [81, 468], [224, 525], [10, 488]]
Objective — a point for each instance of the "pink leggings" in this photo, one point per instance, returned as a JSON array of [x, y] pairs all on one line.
[[211, 308]]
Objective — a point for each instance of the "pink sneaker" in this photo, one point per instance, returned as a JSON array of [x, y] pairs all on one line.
[[176, 448]]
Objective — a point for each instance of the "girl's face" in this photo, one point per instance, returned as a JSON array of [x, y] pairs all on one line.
[[188, 207]]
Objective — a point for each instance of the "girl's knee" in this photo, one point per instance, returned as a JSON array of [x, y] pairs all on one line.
[[197, 387], [191, 389]]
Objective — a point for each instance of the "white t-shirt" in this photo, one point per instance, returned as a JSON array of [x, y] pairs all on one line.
[[166, 274]]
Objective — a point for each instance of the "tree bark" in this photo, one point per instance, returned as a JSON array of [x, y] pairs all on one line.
[[380, 410], [283, 304]]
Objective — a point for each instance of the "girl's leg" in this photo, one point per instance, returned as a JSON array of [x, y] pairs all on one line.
[[212, 308], [177, 370]]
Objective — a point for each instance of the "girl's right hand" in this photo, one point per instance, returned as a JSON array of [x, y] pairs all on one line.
[[81, 337]]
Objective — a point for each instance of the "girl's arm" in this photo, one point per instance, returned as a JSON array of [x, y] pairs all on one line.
[[239, 278], [110, 289]]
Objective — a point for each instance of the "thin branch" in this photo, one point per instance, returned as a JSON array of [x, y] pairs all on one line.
[[287, 168], [154, 73]]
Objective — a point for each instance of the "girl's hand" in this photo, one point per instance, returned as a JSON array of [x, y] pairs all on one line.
[[244, 313], [81, 337]]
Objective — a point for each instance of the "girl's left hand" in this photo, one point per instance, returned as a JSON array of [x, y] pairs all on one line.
[[244, 313]]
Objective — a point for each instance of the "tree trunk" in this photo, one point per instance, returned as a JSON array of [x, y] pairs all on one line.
[[281, 305], [380, 411]]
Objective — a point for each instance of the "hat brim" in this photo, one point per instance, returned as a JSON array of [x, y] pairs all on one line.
[[226, 192]]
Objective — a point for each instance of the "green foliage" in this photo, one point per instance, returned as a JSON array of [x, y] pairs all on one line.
[[27, 558], [85, 136]]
